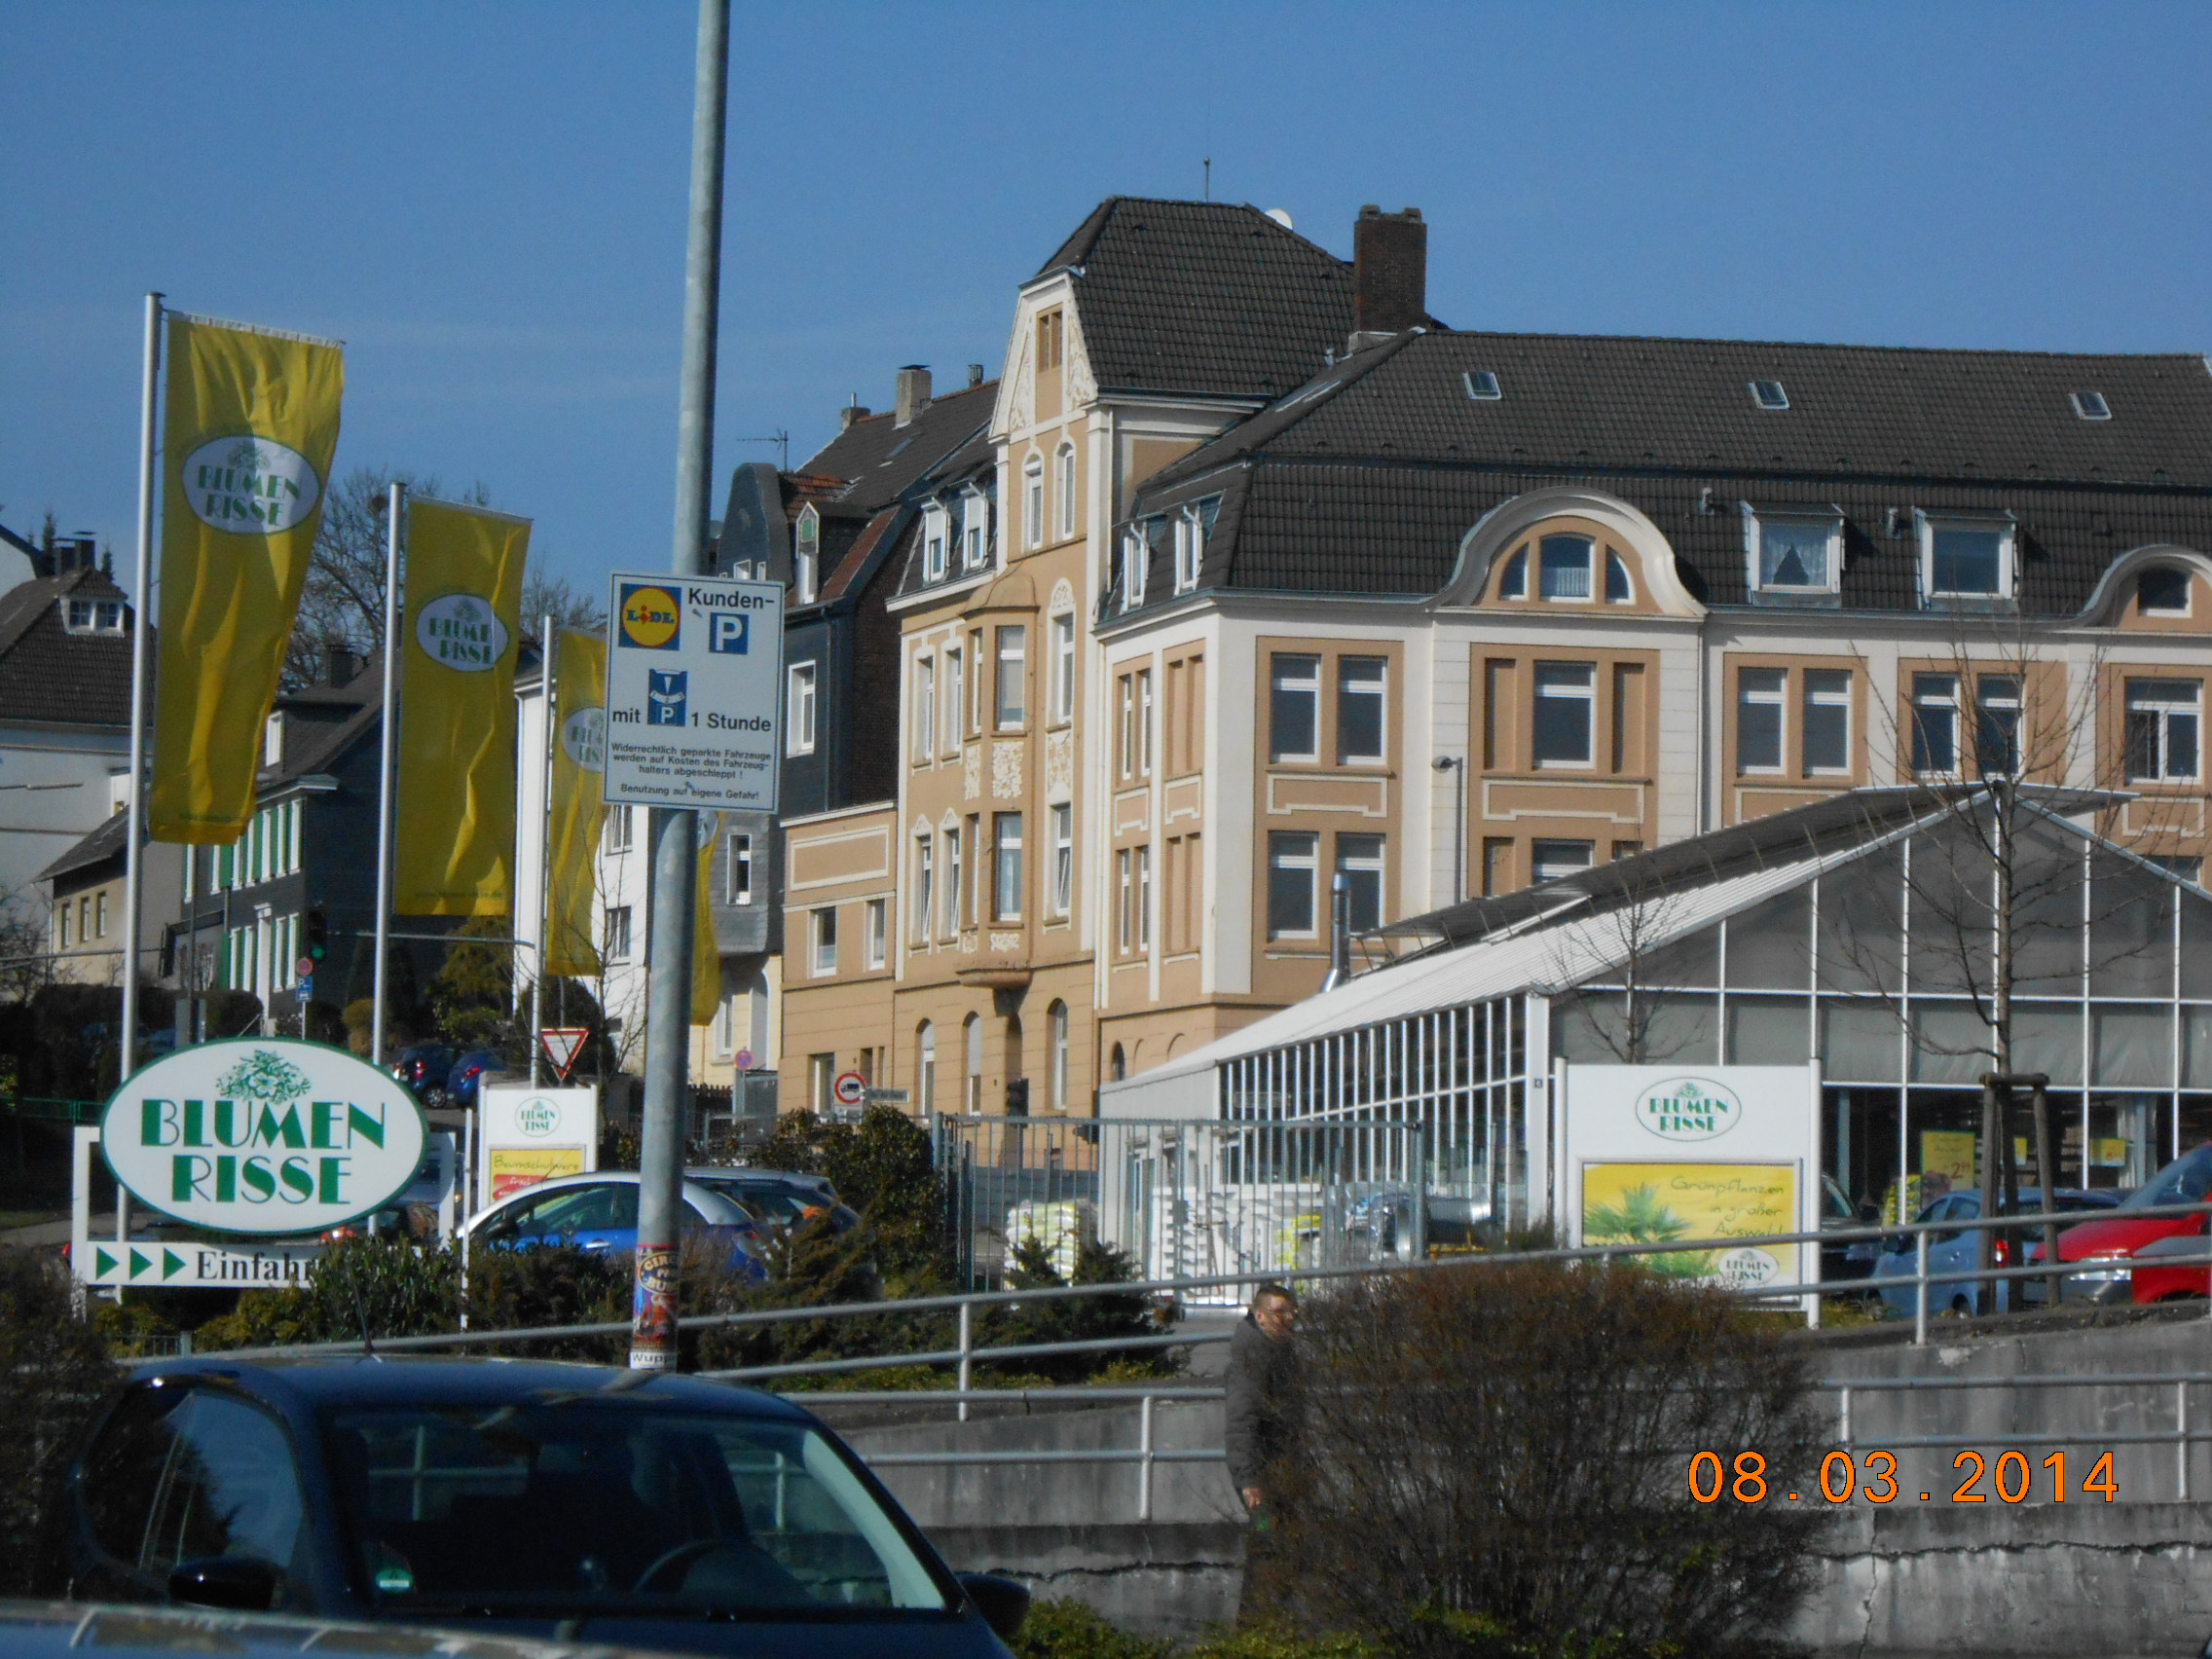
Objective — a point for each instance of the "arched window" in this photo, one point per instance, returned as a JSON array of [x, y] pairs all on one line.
[[973, 1030], [1033, 503], [925, 1065], [1513, 583], [1065, 483], [1056, 1031], [1618, 589], [1117, 1067], [1016, 1088]]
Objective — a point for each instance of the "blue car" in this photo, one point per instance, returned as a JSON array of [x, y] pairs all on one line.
[[631, 1509], [1952, 1253], [466, 1075], [600, 1212]]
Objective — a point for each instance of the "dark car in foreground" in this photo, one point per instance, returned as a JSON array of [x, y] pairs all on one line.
[[33, 1629], [639, 1509]]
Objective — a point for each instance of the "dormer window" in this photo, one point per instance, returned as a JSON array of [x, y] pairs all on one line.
[[1792, 551], [1564, 564], [1136, 558], [1965, 556], [933, 544], [2091, 405], [2163, 591], [1513, 583], [806, 556], [1769, 395], [93, 616], [974, 517]]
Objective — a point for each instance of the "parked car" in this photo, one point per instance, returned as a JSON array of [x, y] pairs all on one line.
[[466, 1075], [2153, 1258], [64, 1630], [600, 1212], [1955, 1253], [516, 1499], [782, 1199], [424, 1069], [1844, 1260]]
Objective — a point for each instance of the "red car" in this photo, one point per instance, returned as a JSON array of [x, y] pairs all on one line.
[[2153, 1258]]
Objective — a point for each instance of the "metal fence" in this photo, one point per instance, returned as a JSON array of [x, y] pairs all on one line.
[[1183, 1199]]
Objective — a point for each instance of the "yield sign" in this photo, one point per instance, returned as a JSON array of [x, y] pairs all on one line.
[[562, 1042]]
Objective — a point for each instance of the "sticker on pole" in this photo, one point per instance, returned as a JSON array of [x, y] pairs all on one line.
[[563, 1044], [850, 1088], [694, 692], [263, 1136]]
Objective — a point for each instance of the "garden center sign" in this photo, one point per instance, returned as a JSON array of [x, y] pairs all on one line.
[[263, 1136]]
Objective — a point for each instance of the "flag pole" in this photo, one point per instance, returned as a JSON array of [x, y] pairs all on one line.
[[544, 845], [394, 504], [134, 805]]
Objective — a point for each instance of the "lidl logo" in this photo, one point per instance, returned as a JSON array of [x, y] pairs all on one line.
[[650, 616]]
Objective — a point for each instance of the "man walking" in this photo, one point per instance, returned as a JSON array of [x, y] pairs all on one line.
[[1258, 1395]]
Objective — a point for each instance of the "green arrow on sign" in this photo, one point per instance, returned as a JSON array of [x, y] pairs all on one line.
[[172, 1264], [103, 1264], [139, 1264]]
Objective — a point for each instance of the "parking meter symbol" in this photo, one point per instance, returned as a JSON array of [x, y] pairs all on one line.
[[665, 697], [728, 634]]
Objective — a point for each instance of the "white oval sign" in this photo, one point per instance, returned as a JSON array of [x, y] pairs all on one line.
[[583, 739], [249, 486], [460, 631], [1688, 1109], [262, 1135], [1744, 1268], [538, 1117]]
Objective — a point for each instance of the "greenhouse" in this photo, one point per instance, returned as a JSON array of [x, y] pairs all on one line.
[[1905, 942]]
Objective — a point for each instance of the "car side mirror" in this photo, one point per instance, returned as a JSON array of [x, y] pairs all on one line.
[[1002, 1602], [237, 1584]]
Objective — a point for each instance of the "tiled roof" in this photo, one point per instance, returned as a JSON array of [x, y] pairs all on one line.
[[879, 460], [1199, 298], [1367, 480], [47, 673], [102, 844]]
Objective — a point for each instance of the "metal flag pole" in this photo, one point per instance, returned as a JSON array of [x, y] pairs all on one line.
[[396, 501], [670, 895], [544, 847], [133, 795]]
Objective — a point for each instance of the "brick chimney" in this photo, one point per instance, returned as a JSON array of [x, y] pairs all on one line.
[[913, 393], [1389, 271], [974, 376]]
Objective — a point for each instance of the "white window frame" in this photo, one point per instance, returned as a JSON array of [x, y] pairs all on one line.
[[1764, 688], [922, 913], [619, 830], [737, 870], [1190, 548], [1375, 863], [955, 866], [955, 699], [1063, 857], [975, 516], [798, 709], [1136, 564], [1033, 502], [925, 705], [1143, 861], [1349, 686], [1755, 524], [933, 543], [821, 930], [1063, 667], [1065, 483], [1008, 872], [1925, 524], [1536, 858], [1987, 698], [2161, 708], [1923, 694], [1818, 689], [1010, 657], [1295, 682], [1586, 693], [806, 556], [1591, 574], [1289, 851], [878, 932], [618, 933]]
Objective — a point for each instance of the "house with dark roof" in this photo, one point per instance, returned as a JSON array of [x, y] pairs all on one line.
[[64, 710], [1303, 614]]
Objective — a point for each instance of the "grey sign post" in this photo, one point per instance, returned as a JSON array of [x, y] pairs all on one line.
[[694, 692]]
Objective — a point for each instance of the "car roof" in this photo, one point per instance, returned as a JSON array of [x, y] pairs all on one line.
[[761, 1177], [76, 1627], [353, 1379]]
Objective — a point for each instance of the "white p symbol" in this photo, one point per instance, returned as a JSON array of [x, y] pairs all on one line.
[[727, 636]]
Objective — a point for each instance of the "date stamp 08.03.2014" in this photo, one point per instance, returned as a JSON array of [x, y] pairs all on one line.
[[1872, 1477]]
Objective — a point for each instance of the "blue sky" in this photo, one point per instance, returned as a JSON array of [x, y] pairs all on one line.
[[486, 200]]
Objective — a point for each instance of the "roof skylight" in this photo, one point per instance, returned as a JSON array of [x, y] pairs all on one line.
[[2091, 405], [1482, 385], [1768, 394]]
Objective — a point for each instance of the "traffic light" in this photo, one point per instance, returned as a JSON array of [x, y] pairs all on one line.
[[318, 936]]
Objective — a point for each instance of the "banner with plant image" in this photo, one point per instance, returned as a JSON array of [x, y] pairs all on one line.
[[1656, 1203]]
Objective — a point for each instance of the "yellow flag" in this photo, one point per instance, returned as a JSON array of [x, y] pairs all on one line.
[[579, 759], [246, 446], [456, 822], [706, 954]]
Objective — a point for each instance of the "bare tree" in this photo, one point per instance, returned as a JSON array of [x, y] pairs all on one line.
[[1615, 974], [26, 964], [571, 606]]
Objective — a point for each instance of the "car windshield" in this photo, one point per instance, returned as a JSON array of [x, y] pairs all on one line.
[[606, 1505], [2184, 1181]]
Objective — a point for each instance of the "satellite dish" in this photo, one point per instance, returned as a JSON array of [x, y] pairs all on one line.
[[1281, 216]]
